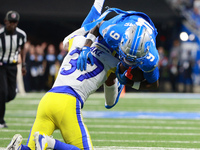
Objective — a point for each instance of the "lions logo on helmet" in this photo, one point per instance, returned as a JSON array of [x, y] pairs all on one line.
[[134, 45]]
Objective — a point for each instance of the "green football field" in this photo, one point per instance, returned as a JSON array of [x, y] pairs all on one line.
[[149, 121]]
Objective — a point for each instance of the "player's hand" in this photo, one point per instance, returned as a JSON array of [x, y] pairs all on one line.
[[82, 59], [121, 76]]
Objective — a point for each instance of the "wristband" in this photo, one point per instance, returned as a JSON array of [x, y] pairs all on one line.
[[91, 36], [136, 85]]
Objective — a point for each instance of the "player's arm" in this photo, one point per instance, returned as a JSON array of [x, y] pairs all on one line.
[[112, 91], [149, 82], [92, 35], [23, 59], [86, 53]]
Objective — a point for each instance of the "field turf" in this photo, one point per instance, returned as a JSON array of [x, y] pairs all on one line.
[[140, 121]]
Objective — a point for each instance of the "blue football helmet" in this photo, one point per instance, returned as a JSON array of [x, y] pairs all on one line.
[[134, 45]]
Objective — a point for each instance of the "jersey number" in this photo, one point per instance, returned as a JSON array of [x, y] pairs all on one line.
[[84, 76], [114, 35]]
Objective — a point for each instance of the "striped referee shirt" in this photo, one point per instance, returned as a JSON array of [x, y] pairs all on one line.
[[10, 45]]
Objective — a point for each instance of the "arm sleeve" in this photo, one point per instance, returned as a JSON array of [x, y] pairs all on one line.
[[111, 93]]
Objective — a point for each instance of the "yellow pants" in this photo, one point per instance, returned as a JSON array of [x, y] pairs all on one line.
[[63, 112]]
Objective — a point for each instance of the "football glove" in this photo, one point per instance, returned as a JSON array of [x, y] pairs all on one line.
[[82, 59], [121, 76]]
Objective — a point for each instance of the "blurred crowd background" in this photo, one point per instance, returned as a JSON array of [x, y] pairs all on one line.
[[178, 41]]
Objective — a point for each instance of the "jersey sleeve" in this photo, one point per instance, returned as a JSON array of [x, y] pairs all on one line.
[[152, 76], [112, 31], [150, 65]]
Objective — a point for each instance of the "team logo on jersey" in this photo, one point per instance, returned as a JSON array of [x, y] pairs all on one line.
[[128, 24]]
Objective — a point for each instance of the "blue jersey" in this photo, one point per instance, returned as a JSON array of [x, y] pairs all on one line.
[[112, 31]]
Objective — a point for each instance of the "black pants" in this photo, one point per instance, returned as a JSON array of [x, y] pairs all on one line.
[[8, 76]]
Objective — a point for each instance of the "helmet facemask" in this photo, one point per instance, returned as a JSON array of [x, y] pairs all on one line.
[[135, 44]]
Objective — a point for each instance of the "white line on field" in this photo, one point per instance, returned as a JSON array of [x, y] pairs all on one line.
[[130, 141], [146, 141], [143, 127], [144, 133], [127, 121], [139, 148], [122, 126], [134, 148], [120, 133]]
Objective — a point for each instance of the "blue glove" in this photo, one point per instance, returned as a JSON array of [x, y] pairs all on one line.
[[82, 59], [121, 77]]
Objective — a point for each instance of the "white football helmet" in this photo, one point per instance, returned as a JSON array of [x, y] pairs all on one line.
[[135, 44]]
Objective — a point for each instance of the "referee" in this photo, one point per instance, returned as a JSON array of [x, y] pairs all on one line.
[[12, 40]]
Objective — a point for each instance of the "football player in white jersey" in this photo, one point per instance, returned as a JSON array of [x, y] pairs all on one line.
[[60, 108]]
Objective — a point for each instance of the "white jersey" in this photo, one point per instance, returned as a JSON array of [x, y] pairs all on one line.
[[83, 83]]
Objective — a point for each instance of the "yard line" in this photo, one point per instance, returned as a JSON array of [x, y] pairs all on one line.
[[26, 102], [129, 141], [128, 121], [144, 133], [15, 131], [146, 141], [20, 124], [19, 131], [122, 133], [133, 148], [140, 148], [143, 127], [122, 126], [20, 119]]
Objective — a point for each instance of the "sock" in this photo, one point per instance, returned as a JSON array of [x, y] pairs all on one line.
[[63, 146], [24, 147]]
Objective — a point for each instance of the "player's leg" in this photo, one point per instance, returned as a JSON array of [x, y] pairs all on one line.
[[3, 93], [94, 13], [57, 104], [71, 124], [12, 82], [41, 140], [44, 123]]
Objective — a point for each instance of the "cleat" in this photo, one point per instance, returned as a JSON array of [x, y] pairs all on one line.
[[40, 141], [16, 142]]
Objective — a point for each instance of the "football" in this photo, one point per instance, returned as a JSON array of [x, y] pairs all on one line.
[[135, 74]]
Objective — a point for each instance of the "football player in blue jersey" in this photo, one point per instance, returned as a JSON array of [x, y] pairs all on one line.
[[60, 108], [132, 35]]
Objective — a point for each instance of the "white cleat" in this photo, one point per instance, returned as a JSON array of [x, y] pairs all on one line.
[[40, 141], [16, 142]]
